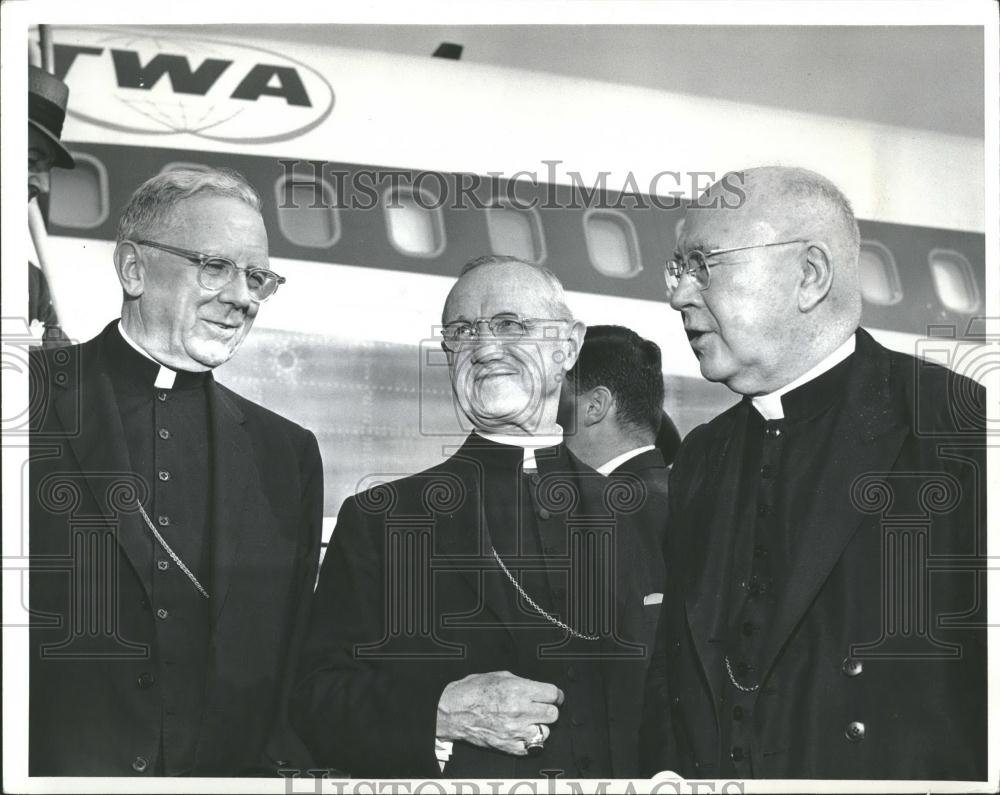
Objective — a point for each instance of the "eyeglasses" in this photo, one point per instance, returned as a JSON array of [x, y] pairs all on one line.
[[214, 273], [506, 328], [695, 263]]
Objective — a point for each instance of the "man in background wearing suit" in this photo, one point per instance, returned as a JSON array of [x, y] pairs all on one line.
[[611, 406], [490, 616], [174, 525], [825, 608]]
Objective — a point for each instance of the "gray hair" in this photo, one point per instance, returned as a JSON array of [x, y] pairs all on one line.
[[803, 185], [558, 294], [153, 202]]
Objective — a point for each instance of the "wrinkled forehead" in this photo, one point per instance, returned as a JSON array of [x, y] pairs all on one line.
[[717, 221], [505, 288], [215, 224]]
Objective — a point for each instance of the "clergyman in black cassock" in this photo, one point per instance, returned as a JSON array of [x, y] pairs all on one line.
[[825, 603], [174, 525], [491, 616]]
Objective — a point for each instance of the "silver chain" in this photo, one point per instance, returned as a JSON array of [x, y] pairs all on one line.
[[736, 684], [169, 551], [551, 618]]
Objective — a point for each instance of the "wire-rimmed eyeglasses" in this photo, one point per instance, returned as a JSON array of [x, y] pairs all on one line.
[[506, 328], [214, 272], [695, 264]]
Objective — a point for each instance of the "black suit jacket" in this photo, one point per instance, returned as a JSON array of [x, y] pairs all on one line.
[[893, 577], [651, 468], [94, 706], [410, 599]]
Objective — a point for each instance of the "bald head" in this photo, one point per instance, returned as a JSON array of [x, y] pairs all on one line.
[[795, 204], [515, 338], [782, 288], [530, 277]]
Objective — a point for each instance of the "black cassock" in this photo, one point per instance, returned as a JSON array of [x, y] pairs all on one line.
[[825, 603], [133, 671], [410, 598]]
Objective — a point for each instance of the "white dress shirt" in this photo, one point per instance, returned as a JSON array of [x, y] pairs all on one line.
[[610, 466]]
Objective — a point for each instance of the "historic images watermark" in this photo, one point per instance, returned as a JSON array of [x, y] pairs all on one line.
[[321, 782], [326, 186]]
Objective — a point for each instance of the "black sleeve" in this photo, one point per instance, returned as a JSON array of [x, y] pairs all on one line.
[[358, 711]]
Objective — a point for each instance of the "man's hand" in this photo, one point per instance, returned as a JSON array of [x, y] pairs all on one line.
[[497, 710]]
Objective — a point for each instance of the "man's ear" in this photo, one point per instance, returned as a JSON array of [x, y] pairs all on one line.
[[574, 342], [131, 271], [597, 403], [817, 275]]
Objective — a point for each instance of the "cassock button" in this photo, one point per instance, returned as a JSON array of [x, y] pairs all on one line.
[[743, 668], [139, 764], [855, 731], [762, 510], [163, 475], [162, 613], [852, 666], [576, 722], [767, 471], [759, 550], [163, 433], [748, 628], [163, 520], [543, 513], [736, 753], [161, 396], [549, 550], [535, 478], [163, 565], [145, 680]]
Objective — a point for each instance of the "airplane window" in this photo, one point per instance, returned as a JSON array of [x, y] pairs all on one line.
[[307, 211], [953, 280], [612, 243], [79, 197], [415, 228], [880, 283], [517, 233]]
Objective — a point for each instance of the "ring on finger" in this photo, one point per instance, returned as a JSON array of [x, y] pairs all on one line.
[[535, 745]]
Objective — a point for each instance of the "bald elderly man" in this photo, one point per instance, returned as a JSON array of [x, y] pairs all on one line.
[[805, 633], [489, 617]]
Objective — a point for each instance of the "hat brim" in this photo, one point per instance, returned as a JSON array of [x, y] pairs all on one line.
[[62, 158]]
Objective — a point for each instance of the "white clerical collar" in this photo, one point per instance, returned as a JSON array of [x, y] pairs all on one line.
[[165, 377], [610, 466], [526, 441], [769, 405]]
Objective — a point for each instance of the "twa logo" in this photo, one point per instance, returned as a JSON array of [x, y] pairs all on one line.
[[167, 85]]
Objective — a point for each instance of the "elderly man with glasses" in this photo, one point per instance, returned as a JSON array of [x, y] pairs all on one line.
[[490, 616], [174, 525], [825, 608]]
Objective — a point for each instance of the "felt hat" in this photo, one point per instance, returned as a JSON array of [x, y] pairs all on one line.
[[47, 97]]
